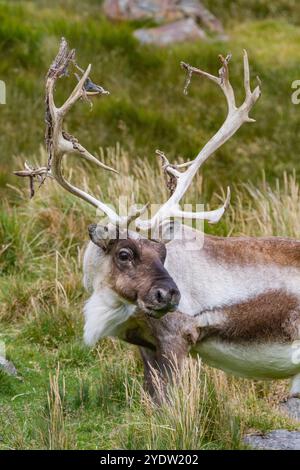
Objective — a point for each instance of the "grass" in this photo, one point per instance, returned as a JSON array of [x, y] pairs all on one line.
[[69, 396], [147, 108], [73, 397]]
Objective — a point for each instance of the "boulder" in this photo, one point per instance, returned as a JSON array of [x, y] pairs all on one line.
[[7, 366], [157, 10], [179, 31], [196, 10], [280, 439], [292, 408], [162, 11]]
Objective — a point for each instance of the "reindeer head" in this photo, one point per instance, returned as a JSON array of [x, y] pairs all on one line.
[[137, 272]]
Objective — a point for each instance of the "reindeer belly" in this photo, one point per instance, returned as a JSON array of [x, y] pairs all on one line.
[[269, 360]]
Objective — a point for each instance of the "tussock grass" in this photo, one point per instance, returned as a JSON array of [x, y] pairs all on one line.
[[269, 210], [203, 409], [56, 438], [195, 413]]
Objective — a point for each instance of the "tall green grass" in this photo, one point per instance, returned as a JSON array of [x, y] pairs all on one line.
[[69, 396]]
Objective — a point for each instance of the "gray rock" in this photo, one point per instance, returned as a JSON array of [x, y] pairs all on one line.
[[196, 10], [7, 366], [179, 31], [162, 11], [292, 408], [158, 10], [280, 439]]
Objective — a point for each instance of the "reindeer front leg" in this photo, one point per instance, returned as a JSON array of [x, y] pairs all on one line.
[[174, 335], [151, 367], [163, 343], [160, 367]]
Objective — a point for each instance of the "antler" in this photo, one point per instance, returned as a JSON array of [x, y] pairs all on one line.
[[179, 181], [59, 142]]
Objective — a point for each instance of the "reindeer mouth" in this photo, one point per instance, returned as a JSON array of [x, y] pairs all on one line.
[[154, 311]]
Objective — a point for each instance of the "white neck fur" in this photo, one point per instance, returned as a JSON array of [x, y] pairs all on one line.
[[104, 313]]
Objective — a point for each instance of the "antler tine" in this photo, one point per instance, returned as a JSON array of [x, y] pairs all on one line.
[[222, 80], [246, 75], [59, 142], [135, 213], [212, 217], [236, 117], [58, 69]]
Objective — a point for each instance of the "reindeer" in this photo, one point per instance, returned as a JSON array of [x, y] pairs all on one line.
[[234, 301]]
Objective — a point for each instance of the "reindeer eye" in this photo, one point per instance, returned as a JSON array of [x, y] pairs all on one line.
[[124, 255]]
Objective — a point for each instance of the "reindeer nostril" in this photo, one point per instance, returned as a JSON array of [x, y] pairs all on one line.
[[175, 296], [166, 298], [159, 296]]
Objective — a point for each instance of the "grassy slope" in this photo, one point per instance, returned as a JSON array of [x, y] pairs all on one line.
[[146, 103], [41, 296]]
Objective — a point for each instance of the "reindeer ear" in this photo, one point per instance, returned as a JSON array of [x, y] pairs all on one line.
[[103, 236]]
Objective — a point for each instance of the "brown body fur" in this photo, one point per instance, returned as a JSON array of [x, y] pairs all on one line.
[[274, 315], [251, 251]]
